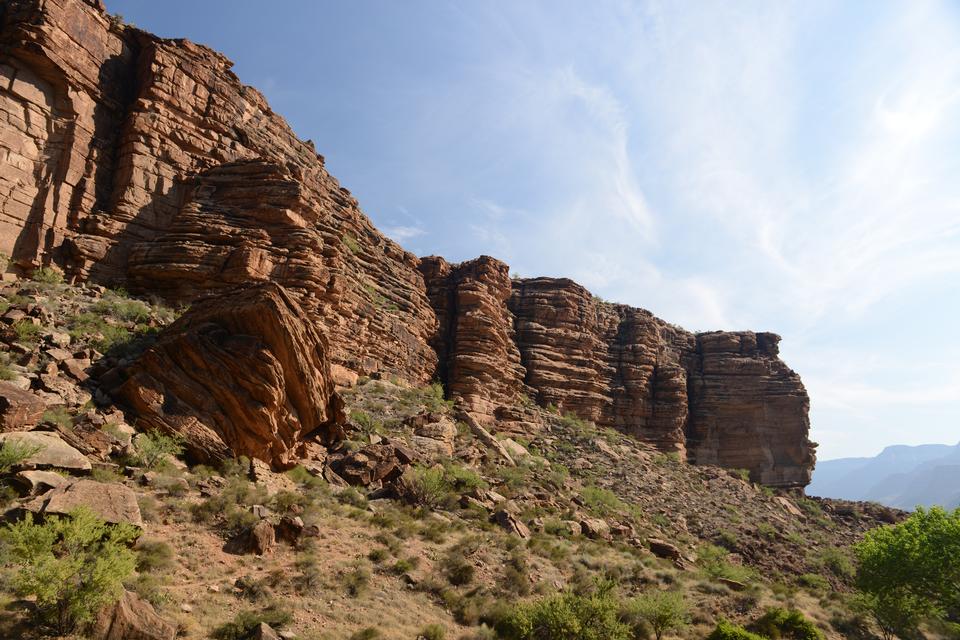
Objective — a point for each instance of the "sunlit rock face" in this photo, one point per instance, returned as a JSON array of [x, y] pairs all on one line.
[[144, 162]]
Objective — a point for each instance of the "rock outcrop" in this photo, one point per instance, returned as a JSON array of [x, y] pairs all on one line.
[[239, 374], [144, 162]]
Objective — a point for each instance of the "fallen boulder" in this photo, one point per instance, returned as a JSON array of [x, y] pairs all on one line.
[[115, 503], [48, 451], [132, 618], [242, 373]]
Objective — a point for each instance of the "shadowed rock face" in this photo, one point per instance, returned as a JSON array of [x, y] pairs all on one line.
[[239, 374], [134, 160]]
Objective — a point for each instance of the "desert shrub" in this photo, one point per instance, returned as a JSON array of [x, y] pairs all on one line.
[[516, 574], [311, 573], [152, 448], [253, 589], [72, 567], [459, 570], [47, 275], [6, 372], [246, 621], [351, 242], [814, 581], [463, 478], [368, 633], [837, 562], [150, 587], [153, 555], [353, 497], [781, 623], [429, 486], [729, 631], [91, 327], [662, 611], [57, 416], [26, 331], [13, 452], [433, 632], [355, 579], [566, 616], [602, 502], [713, 561], [123, 309], [378, 555]]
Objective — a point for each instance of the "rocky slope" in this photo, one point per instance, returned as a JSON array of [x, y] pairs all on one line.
[[138, 161], [399, 515]]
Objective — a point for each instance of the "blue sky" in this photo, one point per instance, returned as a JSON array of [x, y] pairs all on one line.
[[782, 166]]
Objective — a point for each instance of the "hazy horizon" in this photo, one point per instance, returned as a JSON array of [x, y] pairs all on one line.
[[785, 167]]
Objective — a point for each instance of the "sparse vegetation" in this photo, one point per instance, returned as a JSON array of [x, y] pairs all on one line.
[[71, 566], [153, 448], [13, 452]]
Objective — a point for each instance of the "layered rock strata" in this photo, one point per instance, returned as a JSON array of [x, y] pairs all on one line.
[[144, 162], [239, 374]]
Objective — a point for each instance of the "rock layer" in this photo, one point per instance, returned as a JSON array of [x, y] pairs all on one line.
[[144, 162], [238, 374]]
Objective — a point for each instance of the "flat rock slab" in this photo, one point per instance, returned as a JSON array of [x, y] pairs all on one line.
[[36, 482], [52, 451], [113, 502], [19, 408]]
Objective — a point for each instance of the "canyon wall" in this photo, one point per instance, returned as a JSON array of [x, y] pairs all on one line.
[[133, 160]]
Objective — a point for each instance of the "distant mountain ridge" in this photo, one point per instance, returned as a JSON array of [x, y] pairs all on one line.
[[900, 476]]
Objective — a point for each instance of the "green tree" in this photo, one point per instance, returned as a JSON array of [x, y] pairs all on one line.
[[72, 566], [905, 574], [663, 611]]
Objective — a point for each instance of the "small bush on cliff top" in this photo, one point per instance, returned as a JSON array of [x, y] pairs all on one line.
[[72, 567]]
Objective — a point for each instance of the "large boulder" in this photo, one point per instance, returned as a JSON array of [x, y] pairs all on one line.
[[242, 373], [115, 503], [132, 619], [48, 451], [19, 409]]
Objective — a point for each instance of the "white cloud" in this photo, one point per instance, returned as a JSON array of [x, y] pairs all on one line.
[[401, 233]]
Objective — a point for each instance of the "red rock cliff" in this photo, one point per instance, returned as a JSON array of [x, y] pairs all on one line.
[[135, 160]]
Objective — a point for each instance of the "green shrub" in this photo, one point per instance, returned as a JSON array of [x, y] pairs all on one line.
[[153, 555], [429, 486], [814, 581], [351, 243], [311, 573], [13, 452], [729, 631], [47, 275], [123, 309], [72, 567], [356, 579], [26, 331], [433, 632], [246, 621], [602, 502], [6, 372], [463, 478], [662, 610], [713, 561], [152, 448], [836, 561], [368, 633], [781, 623], [566, 616], [57, 416], [353, 497]]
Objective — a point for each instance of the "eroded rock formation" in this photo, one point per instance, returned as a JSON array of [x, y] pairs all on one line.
[[241, 373], [135, 160]]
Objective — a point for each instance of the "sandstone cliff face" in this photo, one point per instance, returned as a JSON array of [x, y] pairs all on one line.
[[145, 162], [238, 374], [134, 160]]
